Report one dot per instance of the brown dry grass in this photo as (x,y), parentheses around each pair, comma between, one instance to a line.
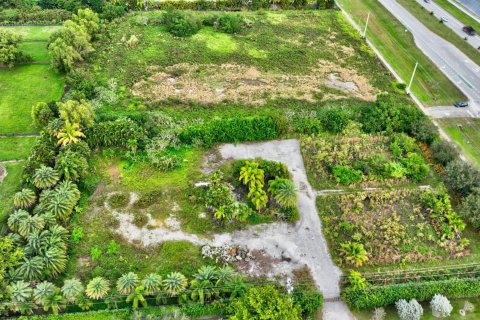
(246,84)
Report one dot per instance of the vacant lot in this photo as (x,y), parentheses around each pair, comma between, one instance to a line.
(466,132)
(285,56)
(431,86)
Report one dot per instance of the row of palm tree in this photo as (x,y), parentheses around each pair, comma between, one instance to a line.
(208,283)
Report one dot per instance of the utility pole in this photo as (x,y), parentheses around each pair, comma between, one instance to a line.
(411,79)
(366,25)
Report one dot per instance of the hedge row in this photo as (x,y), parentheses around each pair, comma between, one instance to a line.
(43,17)
(230,130)
(379,296)
(233,5)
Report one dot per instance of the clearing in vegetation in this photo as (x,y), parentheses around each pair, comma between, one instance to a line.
(388,35)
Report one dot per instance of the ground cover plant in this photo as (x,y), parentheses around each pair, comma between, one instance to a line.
(355,159)
(394,226)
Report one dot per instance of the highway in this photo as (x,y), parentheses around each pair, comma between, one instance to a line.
(462,71)
(451,22)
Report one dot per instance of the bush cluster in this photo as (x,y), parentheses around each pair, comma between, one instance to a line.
(34,16)
(372,297)
(181,24)
(230,130)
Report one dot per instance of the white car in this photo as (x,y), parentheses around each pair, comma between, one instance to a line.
(443,19)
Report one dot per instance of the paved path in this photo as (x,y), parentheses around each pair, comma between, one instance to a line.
(457,66)
(452,22)
(302,243)
(451,112)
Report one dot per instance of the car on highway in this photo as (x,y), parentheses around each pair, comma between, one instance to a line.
(469,30)
(443,19)
(461,104)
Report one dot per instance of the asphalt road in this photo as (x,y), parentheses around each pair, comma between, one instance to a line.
(462,71)
(451,22)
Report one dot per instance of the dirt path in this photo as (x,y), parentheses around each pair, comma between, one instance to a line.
(291,245)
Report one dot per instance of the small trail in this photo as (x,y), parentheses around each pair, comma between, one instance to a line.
(302,243)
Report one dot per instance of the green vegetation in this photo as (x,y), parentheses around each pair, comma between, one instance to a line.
(441,29)
(15,148)
(388,35)
(8,187)
(466,133)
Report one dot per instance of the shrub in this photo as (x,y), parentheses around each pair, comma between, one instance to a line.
(382,295)
(425,131)
(440,305)
(461,177)
(118,133)
(334,120)
(10,54)
(346,175)
(229,23)
(443,152)
(416,167)
(284,192)
(181,24)
(411,310)
(42,114)
(471,208)
(34,15)
(231,130)
(308,299)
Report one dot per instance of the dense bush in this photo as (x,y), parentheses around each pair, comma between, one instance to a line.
(34,16)
(443,152)
(346,175)
(334,120)
(471,208)
(461,177)
(10,53)
(181,24)
(308,299)
(229,23)
(378,296)
(230,130)
(122,132)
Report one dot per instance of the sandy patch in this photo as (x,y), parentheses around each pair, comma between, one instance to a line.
(246,84)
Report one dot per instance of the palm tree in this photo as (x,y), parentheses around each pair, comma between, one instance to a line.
(54,302)
(16,218)
(45,177)
(69,134)
(31,268)
(30,224)
(25,198)
(49,218)
(284,192)
(84,303)
(55,261)
(69,190)
(36,241)
(43,290)
(72,290)
(202,291)
(152,283)
(59,231)
(127,283)
(208,273)
(354,253)
(137,297)
(224,275)
(97,288)
(54,241)
(60,206)
(20,293)
(174,283)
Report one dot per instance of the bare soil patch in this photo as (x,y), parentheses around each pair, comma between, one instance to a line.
(246,84)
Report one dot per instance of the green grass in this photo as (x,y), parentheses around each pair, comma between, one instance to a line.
(22,87)
(8,187)
(459,14)
(15,148)
(466,133)
(32,32)
(37,50)
(162,312)
(431,86)
(427,313)
(441,29)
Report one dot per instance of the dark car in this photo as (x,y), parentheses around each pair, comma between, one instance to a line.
(460,104)
(469,30)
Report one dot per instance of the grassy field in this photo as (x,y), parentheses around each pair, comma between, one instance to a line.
(15,148)
(431,86)
(440,29)
(466,133)
(427,313)
(8,187)
(36,83)
(247,68)
(459,14)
